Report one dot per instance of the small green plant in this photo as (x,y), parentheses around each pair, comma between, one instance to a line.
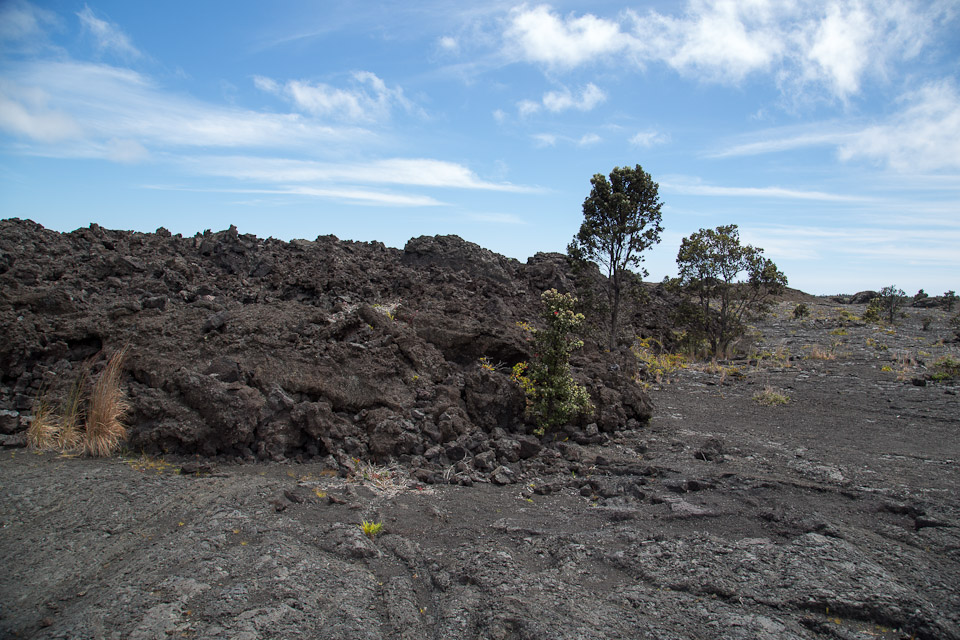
(925,322)
(371,529)
(801,311)
(839,332)
(486,364)
(770,398)
(886,367)
(553,397)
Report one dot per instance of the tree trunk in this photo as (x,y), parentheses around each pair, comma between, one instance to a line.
(615,311)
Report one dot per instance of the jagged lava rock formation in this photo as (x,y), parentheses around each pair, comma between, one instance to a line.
(245,348)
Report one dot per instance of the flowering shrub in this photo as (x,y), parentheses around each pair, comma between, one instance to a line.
(553,397)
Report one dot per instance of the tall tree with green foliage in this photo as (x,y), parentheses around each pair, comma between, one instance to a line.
(621,220)
(709,262)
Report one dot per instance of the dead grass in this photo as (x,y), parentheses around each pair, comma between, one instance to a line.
(69,433)
(819,353)
(105,411)
(43,430)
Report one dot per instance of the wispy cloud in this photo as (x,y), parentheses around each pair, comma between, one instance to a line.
(648,138)
(96,103)
(687,186)
(923,136)
(345,194)
(23,26)
(423,172)
(368,100)
(109,37)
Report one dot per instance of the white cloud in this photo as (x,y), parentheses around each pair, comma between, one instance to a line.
(714,39)
(648,138)
(539,35)
(588,139)
(556,101)
(449,44)
(499,115)
(590,96)
(527,107)
(368,100)
(831,44)
(108,36)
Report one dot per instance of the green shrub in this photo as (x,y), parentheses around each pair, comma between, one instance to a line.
(553,397)
(946,368)
(801,311)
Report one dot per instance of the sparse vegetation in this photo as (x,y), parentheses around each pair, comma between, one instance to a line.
(945,368)
(657,364)
(801,311)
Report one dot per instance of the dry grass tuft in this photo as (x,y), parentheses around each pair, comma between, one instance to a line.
(770,398)
(44,429)
(818,353)
(105,411)
(69,433)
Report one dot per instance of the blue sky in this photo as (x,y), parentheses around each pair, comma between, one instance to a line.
(829,131)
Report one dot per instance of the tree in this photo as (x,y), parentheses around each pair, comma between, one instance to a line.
(949,299)
(889,301)
(621,220)
(709,262)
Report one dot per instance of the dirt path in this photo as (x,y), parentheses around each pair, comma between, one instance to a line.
(833,516)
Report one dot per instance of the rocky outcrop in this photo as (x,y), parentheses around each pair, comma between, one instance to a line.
(248,348)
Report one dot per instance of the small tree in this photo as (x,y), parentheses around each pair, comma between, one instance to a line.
(709,262)
(621,220)
(554,397)
(949,299)
(890,300)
